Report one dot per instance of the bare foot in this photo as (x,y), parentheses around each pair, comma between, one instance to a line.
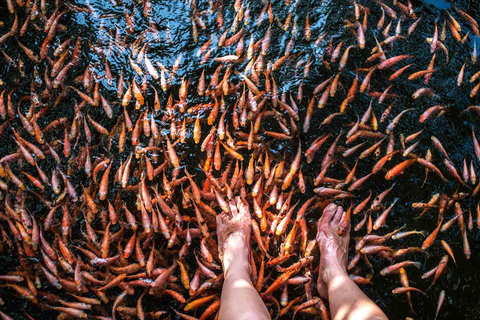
(233,232)
(333,247)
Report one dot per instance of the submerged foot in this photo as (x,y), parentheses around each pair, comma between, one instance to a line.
(233,232)
(333,247)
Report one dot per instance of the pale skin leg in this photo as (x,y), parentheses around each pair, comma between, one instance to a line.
(347,301)
(240,300)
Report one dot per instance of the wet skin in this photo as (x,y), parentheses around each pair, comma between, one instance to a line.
(240,300)
(346,300)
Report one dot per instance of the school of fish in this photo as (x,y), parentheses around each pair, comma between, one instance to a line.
(111,215)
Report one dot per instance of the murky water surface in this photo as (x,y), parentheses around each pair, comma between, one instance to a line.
(168,31)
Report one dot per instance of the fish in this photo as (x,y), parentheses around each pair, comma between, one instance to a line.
(407,289)
(392,61)
(407,233)
(394,268)
(130,178)
(440,302)
(399,169)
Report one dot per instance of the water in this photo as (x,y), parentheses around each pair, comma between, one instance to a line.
(98,27)
(440,4)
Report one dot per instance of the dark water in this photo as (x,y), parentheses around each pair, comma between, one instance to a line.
(439,4)
(172,20)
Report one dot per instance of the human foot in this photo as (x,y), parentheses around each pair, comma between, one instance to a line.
(333,247)
(233,232)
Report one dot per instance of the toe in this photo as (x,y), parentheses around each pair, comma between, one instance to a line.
(344,213)
(338,216)
(219,219)
(233,208)
(243,208)
(328,213)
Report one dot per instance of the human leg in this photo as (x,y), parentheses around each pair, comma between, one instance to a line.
(346,300)
(239,298)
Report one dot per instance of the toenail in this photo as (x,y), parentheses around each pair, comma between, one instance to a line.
(331,206)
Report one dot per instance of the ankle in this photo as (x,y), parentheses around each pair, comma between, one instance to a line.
(333,270)
(236,253)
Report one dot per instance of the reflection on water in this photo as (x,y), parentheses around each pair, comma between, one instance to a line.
(440,4)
